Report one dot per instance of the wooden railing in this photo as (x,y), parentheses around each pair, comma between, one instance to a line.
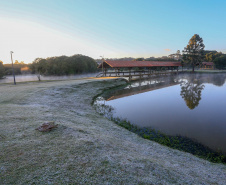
(131,74)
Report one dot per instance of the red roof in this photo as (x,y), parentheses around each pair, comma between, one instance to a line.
(116,64)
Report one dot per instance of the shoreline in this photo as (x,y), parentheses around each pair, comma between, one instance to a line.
(86,148)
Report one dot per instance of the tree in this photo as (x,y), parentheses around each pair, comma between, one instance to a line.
(139,59)
(220,62)
(211,56)
(193,53)
(2,69)
(39,67)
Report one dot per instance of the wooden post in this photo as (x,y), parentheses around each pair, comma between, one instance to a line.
(130,76)
(129,73)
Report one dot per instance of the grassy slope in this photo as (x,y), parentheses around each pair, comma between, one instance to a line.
(86,148)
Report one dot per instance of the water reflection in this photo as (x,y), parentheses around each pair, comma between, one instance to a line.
(191,92)
(142,86)
(192,86)
(165,104)
(218,80)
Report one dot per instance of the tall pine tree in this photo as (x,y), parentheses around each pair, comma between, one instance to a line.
(193,53)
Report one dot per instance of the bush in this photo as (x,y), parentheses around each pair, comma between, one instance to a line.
(2,70)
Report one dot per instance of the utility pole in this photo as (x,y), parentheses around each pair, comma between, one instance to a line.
(11,52)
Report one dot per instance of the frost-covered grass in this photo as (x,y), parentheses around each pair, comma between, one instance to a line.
(86,148)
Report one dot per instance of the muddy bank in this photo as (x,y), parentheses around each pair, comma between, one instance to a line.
(86,148)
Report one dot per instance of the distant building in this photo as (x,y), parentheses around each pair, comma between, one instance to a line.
(176,56)
(207,65)
(164,57)
(151,58)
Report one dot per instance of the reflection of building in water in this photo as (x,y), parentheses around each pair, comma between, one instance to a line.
(144,86)
(191,86)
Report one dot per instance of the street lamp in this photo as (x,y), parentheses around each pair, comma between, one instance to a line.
(102,64)
(11,52)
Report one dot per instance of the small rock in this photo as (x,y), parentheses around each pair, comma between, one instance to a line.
(47,126)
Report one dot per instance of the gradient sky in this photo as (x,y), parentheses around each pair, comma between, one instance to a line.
(113,28)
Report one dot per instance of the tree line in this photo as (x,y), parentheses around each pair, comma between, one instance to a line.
(218,58)
(64,65)
(18,68)
(194,54)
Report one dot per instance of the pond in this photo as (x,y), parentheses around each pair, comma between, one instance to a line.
(189,105)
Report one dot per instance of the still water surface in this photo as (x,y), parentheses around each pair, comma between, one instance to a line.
(191,105)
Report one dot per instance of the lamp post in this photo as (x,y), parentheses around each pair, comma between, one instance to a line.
(102,64)
(11,52)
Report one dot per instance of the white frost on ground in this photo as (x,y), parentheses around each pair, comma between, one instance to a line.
(86,148)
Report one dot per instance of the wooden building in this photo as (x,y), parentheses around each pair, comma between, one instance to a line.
(207,65)
(137,68)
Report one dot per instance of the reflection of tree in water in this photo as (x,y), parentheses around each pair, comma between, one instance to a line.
(103,109)
(191,92)
(192,87)
(218,80)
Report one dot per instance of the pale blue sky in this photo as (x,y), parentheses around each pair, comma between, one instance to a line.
(113,28)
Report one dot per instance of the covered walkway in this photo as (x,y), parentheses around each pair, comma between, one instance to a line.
(137,68)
